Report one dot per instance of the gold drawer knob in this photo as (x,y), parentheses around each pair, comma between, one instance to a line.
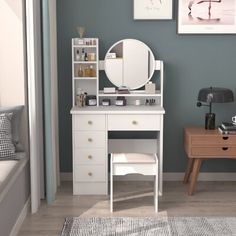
(90,122)
(90,174)
(90,140)
(134,122)
(90,157)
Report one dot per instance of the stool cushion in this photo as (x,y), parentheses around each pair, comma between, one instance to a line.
(133,158)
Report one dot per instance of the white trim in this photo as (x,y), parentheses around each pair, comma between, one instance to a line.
(16,228)
(169,176)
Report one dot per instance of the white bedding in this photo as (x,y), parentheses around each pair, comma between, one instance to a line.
(8,168)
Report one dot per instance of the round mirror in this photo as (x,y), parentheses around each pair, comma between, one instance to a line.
(129,63)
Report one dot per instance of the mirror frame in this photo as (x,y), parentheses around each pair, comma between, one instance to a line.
(151,55)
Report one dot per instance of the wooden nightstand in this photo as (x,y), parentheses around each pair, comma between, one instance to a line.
(200,145)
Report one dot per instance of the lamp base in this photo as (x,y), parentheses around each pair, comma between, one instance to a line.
(210,121)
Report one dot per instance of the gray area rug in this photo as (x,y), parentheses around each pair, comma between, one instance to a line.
(147,226)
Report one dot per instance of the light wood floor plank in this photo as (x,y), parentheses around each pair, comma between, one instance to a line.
(133,199)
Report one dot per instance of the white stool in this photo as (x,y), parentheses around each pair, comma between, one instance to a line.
(134,163)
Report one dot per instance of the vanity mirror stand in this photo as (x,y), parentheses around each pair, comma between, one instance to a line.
(128,63)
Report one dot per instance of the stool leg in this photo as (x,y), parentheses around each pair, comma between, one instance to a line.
(156,193)
(111,185)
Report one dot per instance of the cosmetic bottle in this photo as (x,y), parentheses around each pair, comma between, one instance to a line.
(92,71)
(77,55)
(80,72)
(87,71)
(86,56)
(83,55)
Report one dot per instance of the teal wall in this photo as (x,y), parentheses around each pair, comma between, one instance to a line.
(191,62)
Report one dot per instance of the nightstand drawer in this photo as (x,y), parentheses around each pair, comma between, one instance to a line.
(89,139)
(89,122)
(219,140)
(89,173)
(213,151)
(134,122)
(84,156)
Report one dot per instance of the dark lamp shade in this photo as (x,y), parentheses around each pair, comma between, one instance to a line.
(215,95)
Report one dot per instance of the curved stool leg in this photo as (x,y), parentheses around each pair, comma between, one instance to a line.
(156,190)
(111,184)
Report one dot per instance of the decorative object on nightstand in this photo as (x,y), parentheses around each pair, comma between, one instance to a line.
(227,128)
(234,120)
(213,95)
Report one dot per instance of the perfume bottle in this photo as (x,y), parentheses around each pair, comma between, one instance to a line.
(92,71)
(80,72)
(86,56)
(87,71)
(83,55)
(77,55)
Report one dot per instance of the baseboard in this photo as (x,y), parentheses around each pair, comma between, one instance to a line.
(168,176)
(16,228)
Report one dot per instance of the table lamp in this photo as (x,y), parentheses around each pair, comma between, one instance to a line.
(213,95)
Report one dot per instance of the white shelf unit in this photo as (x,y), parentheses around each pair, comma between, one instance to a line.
(85,82)
(91,84)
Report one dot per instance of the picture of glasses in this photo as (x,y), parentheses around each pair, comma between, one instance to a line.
(207,16)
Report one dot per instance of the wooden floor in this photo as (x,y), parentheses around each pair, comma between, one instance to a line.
(133,199)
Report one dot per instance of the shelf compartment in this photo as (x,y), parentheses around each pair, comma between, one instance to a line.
(85,78)
(85,62)
(137,93)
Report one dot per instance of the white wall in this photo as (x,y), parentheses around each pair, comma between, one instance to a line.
(13,90)
(12,75)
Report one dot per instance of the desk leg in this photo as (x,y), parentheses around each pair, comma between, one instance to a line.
(188,170)
(196,167)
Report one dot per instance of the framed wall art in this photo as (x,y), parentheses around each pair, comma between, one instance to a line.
(207,17)
(153,9)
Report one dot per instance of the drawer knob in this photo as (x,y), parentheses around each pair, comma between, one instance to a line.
(90,157)
(90,174)
(225,148)
(225,138)
(90,140)
(90,122)
(134,122)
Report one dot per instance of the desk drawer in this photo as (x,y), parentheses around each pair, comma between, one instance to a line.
(212,140)
(89,139)
(214,151)
(89,173)
(89,122)
(134,122)
(90,156)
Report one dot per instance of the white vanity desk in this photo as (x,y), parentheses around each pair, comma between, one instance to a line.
(91,143)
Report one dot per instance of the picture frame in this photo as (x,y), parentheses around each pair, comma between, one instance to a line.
(153,9)
(206,17)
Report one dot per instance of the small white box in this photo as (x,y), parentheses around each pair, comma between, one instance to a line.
(111,55)
(109,90)
(150,88)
